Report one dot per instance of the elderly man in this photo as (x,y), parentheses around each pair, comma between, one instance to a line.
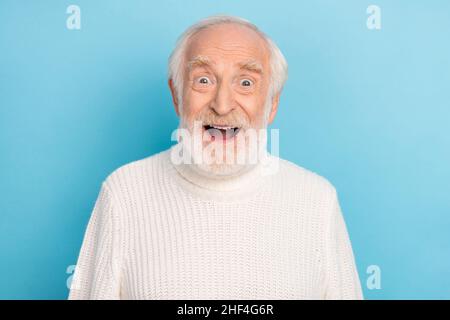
(216,216)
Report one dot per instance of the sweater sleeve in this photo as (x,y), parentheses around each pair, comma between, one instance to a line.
(97,273)
(342,281)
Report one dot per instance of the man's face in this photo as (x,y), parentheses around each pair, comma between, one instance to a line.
(225,86)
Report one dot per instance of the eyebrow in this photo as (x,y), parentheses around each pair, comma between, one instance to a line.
(199,61)
(252,65)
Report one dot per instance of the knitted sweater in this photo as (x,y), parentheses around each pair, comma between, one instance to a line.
(162,231)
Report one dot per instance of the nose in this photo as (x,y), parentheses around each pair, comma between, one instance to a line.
(223,102)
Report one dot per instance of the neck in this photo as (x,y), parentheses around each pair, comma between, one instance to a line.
(245,181)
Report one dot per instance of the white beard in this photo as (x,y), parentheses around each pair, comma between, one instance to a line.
(218,159)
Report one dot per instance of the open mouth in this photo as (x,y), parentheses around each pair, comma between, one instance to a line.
(221,131)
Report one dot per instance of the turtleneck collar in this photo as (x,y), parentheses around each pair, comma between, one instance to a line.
(220,187)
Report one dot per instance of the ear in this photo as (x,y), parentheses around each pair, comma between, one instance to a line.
(174,97)
(273,111)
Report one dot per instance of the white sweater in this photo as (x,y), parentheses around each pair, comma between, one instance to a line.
(160,231)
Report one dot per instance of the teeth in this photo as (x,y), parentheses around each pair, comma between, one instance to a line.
(221,127)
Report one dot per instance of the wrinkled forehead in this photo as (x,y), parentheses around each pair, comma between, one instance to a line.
(228,43)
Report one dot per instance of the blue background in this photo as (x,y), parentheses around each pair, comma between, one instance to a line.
(367,109)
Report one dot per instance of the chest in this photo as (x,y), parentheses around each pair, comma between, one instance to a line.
(223,252)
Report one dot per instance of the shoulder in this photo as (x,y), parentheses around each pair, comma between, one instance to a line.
(309,190)
(134,173)
(303,179)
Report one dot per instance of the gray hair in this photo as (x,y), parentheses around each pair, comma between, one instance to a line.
(278,64)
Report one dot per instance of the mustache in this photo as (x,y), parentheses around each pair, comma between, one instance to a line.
(232,119)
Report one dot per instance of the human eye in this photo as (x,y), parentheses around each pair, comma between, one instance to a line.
(203,81)
(246,82)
